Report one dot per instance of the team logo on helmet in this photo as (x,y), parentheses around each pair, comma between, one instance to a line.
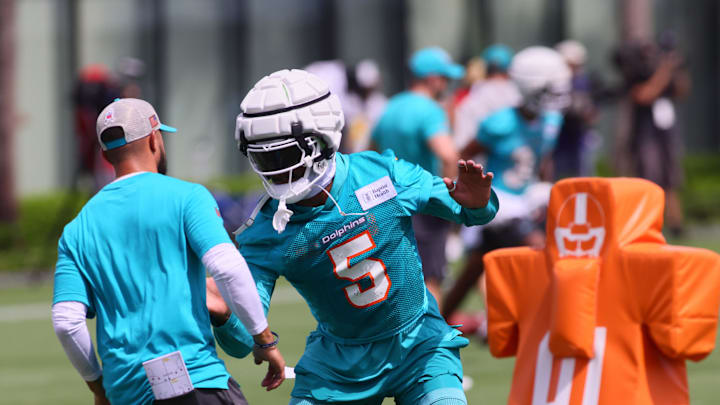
(580,227)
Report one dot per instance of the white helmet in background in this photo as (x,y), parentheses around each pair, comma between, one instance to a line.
(543,77)
(289,128)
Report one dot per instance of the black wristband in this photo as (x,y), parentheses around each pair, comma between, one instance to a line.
(271,344)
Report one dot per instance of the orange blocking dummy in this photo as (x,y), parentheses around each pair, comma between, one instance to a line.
(608,312)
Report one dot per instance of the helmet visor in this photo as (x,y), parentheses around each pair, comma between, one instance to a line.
(277,160)
(278,156)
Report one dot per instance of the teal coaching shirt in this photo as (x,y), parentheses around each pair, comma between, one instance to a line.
(132,256)
(407,124)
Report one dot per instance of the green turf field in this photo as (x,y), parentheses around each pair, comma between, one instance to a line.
(34,369)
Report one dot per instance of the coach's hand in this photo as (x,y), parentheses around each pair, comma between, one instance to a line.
(472,188)
(276,367)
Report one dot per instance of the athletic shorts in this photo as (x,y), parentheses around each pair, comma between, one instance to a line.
(424,358)
(209,396)
(431,234)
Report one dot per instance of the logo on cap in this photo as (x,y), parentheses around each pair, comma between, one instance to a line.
(109,116)
(153,120)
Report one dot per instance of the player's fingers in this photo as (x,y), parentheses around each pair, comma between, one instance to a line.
(476,167)
(449,183)
(273,379)
(266,381)
(462,165)
(258,360)
(277,379)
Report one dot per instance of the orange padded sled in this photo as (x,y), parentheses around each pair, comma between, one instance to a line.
(608,312)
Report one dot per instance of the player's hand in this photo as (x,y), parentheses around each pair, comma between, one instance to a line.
(101,400)
(219,311)
(472,188)
(98,392)
(276,367)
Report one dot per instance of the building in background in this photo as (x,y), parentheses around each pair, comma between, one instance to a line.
(201,57)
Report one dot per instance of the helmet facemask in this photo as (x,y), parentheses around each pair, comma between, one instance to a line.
(543,78)
(292,167)
(549,98)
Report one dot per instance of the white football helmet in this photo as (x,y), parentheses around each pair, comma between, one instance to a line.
(289,128)
(543,77)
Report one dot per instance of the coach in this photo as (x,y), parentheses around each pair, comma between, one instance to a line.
(135,256)
(415,126)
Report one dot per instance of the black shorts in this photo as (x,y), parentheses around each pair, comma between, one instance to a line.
(431,234)
(209,396)
(508,234)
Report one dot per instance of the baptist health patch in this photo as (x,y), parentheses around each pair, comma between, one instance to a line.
(376,193)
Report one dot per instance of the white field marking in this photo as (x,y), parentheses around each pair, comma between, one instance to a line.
(41,310)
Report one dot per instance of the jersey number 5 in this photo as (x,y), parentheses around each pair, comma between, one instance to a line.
(340,256)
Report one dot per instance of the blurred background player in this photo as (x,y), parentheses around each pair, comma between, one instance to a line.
(359,89)
(577,142)
(338,228)
(136,256)
(95,88)
(656,78)
(416,128)
(363,104)
(475,72)
(486,96)
(518,142)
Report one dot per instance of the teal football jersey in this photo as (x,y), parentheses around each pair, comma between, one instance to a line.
(359,273)
(517,146)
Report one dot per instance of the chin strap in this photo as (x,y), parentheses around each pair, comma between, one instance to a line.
(281,217)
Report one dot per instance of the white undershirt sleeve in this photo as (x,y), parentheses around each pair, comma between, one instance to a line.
(68,318)
(232,276)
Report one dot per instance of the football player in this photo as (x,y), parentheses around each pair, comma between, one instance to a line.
(338,228)
(518,142)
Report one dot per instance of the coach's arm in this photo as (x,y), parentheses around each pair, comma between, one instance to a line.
(230,334)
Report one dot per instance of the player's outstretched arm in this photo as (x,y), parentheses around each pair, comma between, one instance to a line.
(265,343)
(472,189)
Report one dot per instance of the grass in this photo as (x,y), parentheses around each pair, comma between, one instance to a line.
(34,369)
